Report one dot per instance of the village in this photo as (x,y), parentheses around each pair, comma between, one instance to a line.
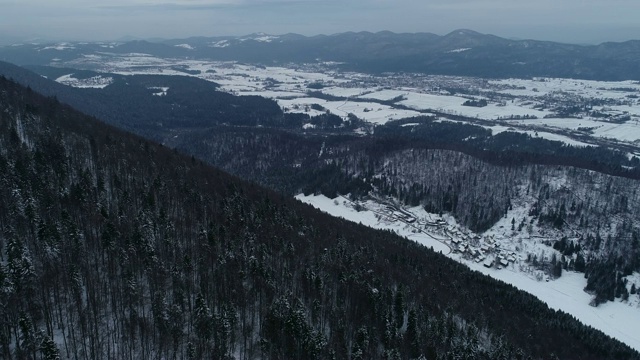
(462,243)
(519,258)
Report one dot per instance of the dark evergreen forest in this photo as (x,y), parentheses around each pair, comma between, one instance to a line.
(117,247)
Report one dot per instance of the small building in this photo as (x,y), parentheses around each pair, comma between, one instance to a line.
(504,262)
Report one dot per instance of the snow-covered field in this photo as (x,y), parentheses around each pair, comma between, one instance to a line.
(379,99)
(453,105)
(370,111)
(544,86)
(497,129)
(629,131)
(617,319)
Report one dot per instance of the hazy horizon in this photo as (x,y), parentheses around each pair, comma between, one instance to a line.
(569,21)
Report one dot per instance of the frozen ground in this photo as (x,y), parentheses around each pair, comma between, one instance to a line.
(617,319)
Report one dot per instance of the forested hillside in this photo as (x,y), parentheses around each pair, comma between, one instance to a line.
(115,247)
(580,196)
(593,211)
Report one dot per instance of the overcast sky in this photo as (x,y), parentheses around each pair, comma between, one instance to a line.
(575,21)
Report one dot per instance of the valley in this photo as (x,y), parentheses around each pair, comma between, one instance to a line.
(319,180)
(573,111)
(127,249)
(529,181)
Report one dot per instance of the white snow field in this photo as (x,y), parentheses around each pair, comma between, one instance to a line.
(371,112)
(629,131)
(617,319)
(453,105)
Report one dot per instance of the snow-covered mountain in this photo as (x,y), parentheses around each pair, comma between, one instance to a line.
(461,52)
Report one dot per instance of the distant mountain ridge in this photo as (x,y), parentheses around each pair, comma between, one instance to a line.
(461,52)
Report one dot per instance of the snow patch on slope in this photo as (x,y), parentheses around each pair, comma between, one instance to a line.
(459,50)
(162,92)
(185,46)
(97,82)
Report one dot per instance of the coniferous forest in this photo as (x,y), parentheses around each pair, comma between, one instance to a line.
(586,193)
(116,247)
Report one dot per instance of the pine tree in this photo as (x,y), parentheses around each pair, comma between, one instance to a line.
(412,338)
(361,344)
(203,320)
(399,307)
(28,336)
(49,349)
(191,351)
(580,263)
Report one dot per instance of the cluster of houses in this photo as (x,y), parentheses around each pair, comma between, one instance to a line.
(481,249)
